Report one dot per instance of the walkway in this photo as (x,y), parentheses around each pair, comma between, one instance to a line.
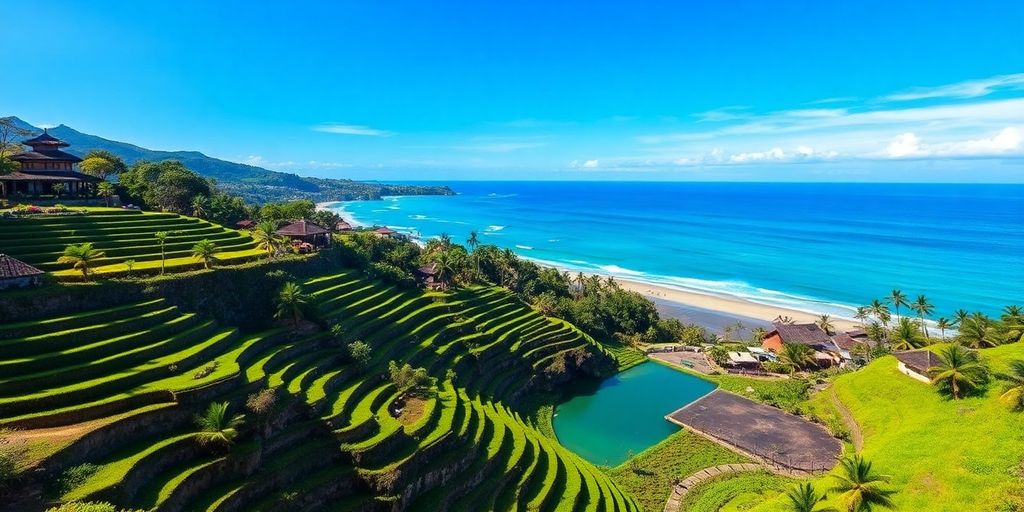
(682,488)
(855,434)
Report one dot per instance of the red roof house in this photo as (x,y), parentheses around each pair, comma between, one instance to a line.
(15,273)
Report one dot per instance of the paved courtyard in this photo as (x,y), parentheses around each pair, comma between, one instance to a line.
(768,433)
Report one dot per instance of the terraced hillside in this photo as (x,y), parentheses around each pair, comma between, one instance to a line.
(336,439)
(122,235)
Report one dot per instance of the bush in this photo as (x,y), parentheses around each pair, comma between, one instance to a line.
(74,477)
(407,378)
(206,370)
(359,352)
(87,507)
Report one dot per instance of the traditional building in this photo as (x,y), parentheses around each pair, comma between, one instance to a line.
(826,353)
(15,273)
(44,166)
(916,363)
(385,232)
(304,231)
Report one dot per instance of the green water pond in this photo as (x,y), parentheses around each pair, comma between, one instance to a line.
(625,413)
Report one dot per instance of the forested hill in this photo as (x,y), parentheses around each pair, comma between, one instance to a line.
(255,184)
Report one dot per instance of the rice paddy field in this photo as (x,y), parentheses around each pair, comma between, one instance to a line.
(128,380)
(122,235)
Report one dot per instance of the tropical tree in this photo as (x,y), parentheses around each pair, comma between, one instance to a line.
(102,163)
(960,316)
(825,322)
(200,206)
(292,303)
(82,256)
(859,488)
(862,313)
(1014,394)
(473,242)
(267,239)
(217,427)
(204,250)
(923,308)
(445,266)
(10,132)
(758,333)
(1012,324)
(796,356)
(897,298)
(161,238)
(803,498)
(959,370)
(942,323)
(880,311)
(977,331)
(106,190)
(906,336)
(59,189)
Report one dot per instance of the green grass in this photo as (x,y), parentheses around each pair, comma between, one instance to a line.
(677,457)
(734,492)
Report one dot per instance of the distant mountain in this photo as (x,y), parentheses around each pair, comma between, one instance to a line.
(255,184)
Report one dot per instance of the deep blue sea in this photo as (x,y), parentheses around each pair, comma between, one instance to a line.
(815,247)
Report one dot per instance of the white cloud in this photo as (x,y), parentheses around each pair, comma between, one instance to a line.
(351,129)
(965,89)
(906,144)
(1008,140)
(760,156)
(584,164)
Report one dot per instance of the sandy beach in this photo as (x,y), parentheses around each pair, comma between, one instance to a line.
(726,305)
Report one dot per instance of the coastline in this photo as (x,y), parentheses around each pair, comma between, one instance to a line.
(713,311)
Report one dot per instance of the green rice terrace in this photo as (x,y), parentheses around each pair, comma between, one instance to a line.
(122,235)
(114,393)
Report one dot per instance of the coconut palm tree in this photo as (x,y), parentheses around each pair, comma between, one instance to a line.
(1014,394)
(825,322)
(942,323)
(161,238)
(880,311)
(796,356)
(106,190)
(758,333)
(897,298)
(444,265)
(862,314)
(960,316)
(905,336)
(473,242)
(200,206)
(1012,324)
(292,303)
(923,308)
(267,239)
(204,250)
(960,369)
(216,427)
(860,488)
(977,331)
(82,257)
(803,498)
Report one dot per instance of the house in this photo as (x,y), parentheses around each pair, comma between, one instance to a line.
(305,232)
(343,226)
(427,275)
(384,232)
(15,273)
(742,360)
(851,344)
(44,166)
(916,363)
(245,224)
(826,353)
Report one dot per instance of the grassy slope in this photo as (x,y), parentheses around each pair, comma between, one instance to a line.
(941,454)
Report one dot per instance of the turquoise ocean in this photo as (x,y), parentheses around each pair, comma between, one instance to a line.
(813,247)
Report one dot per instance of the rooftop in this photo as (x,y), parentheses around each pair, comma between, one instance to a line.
(48,176)
(805,334)
(301,228)
(11,268)
(384,231)
(45,139)
(918,361)
(46,154)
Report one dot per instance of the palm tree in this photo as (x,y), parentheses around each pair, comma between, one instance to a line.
(444,265)
(473,242)
(923,308)
(803,498)
(291,303)
(897,298)
(199,208)
(960,369)
(106,190)
(58,189)
(861,489)
(267,239)
(1014,395)
(825,322)
(942,323)
(796,356)
(960,316)
(216,427)
(81,256)
(862,314)
(161,238)
(758,333)
(905,336)
(1012,325)
(204,250)
(881,312)
(976,331)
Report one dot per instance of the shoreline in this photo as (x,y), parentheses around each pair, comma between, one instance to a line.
(711,310)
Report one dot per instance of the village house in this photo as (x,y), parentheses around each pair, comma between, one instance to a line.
(427,275)
(826,353)
(384,232)
(45,166)
(916,363)
(305,235)
(15,273)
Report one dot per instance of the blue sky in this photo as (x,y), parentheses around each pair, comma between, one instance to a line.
(862,91)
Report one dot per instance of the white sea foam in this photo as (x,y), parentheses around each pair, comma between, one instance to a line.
(495,228)
(617,270)
(524,247)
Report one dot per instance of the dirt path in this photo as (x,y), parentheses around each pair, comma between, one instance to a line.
(855,434)
(682,488)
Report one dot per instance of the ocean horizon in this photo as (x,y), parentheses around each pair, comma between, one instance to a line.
(815,247)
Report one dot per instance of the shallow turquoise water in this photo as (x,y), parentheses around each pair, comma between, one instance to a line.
(627,412)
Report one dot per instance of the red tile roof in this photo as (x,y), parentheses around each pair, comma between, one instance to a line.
(385,231)
(11,268)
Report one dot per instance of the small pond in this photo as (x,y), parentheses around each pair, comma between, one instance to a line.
(626,412)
